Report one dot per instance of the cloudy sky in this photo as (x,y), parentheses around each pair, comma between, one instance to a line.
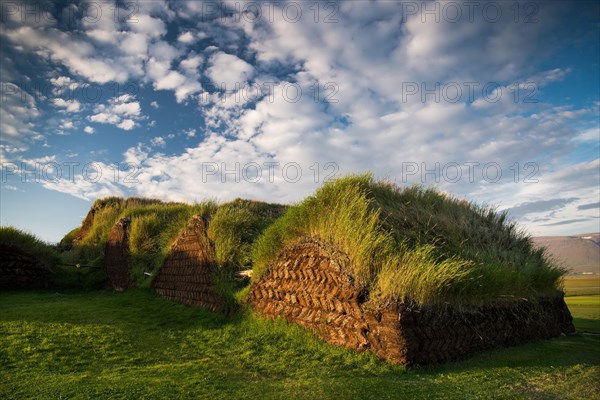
(497,102)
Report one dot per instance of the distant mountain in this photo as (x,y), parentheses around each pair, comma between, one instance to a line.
(580,253)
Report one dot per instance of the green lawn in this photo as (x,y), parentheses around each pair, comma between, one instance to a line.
(583,298)
(134,345)
(586,312)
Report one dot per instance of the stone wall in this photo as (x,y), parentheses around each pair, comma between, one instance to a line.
(116,256)
(19,270)
(186,275)
(306,285)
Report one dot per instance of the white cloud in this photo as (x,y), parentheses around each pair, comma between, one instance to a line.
(102,51)
(170,81)
(99,50)
(64,84)
(105,118)
(545,77)
(134,44)
(229,70)
(362,120)
(122,111)
(127,108)
(163,51)
(65,124)
(158,70)
(68,105)
(96,183)
(89,130)
(186,37)
(182,93)
(150,26)
(18,115)
(591,135)
(190,133)
(577,183)
(8,149)
(62,81)
(39,160)
(75,54)
(126,124)
(191,64)
(158,142)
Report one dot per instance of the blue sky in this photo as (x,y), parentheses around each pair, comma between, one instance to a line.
(496,102)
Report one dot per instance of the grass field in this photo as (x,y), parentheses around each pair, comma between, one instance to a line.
(586,312)
(583,298)
(135,345)
(582,285)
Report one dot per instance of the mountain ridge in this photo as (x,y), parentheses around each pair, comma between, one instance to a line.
(580,253)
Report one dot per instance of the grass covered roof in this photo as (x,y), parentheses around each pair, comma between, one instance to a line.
(30,244)
(415,244)
(155,225)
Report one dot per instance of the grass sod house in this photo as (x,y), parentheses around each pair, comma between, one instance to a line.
(87,244)
(138,243)
(187,253)
(186,275)
(411,274)
(116,256)
(200,268)
(27,262)
(128,239)
(99,220)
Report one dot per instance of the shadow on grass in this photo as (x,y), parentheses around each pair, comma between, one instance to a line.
(142,310)
(136,309)
(564,351)
(587,325)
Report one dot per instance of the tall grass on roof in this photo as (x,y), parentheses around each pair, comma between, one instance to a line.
(153,230)
(109,211)
(233,230)
(30,244)
(156,225)
(63,276)
(90,249)
(236,225)
(415,243)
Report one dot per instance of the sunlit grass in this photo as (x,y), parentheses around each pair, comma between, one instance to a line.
(152,232)
(236,225)
(154,228)
(135,345)
(586,312)
(415,243)
(582,285)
